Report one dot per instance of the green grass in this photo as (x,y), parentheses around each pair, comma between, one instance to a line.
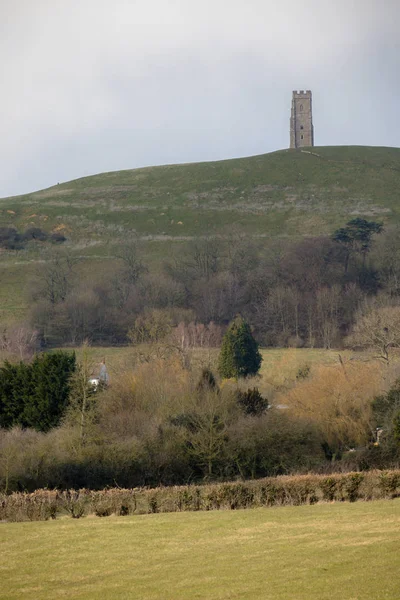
(274,193)
(287,194)
(346,551)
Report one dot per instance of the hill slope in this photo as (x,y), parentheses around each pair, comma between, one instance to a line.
(285,193)
(276,193)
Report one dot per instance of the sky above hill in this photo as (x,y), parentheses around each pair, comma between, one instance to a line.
(100,85)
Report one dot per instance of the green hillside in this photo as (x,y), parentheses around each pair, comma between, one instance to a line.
(285,193)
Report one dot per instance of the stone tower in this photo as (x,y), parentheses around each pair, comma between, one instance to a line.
(301,123)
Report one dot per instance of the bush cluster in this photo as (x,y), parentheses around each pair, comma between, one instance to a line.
(165,424)
(11,239)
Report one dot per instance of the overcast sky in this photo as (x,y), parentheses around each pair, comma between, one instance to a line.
(100,85)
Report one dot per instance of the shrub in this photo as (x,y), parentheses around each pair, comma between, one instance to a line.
(303,372)
(329,487)
(337,399)
(352,485)
(153,504)
(389,482)
(252,402)
(103,506)
(207,381)
(76,503)
(39,506)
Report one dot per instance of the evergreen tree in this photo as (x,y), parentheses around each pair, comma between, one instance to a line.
(15,392)
(356,238)
(239,356)
(51,374)
(36,395)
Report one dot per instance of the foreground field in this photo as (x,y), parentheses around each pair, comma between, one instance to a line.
(346,551)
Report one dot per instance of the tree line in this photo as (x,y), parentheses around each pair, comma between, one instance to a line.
(304,293)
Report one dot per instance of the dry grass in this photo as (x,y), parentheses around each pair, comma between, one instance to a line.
(278,370)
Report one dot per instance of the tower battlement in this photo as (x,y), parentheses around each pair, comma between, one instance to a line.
(301,122)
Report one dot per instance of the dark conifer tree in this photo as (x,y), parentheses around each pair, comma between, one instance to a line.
(15,392)
(239,356)
(37,394)
(51,375)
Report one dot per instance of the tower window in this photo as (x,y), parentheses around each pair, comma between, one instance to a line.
(301,107)
(302,136)
(301,127)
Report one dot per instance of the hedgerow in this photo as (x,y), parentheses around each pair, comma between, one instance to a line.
(273,491)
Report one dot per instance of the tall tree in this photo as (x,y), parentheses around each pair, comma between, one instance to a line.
(83,394)
(15,393)
(56,275)
(377,328)
(133,265)
(356,238)
(51,378)
(239,356)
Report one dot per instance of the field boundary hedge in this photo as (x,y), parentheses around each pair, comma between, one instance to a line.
(288,490)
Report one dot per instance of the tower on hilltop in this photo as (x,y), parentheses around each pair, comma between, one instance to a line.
(301,123)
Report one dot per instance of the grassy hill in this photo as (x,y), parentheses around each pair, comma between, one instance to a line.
(286,193)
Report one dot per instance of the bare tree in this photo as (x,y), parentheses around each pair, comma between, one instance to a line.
(328,302)
(311,264)
(218,298)
(200,259)
(82,395)
(55,277)
(150,327)
(20,340)
(133,266)
(386,256)
(379,329)
(241,253)
(197,335)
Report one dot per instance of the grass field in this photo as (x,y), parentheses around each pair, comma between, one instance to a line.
(321,552)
